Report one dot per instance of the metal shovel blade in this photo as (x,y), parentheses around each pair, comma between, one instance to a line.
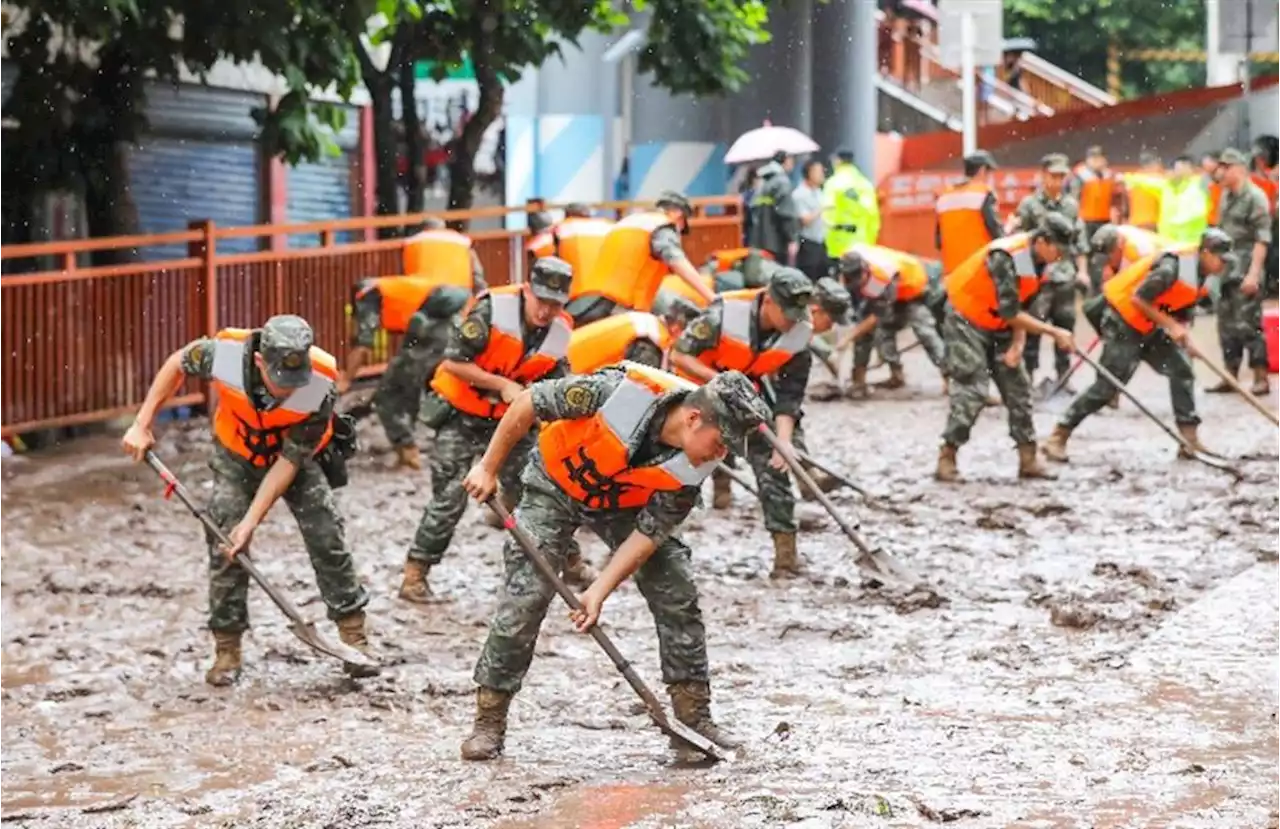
(307,632)
(678,730)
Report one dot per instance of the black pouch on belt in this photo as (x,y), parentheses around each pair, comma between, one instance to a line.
(333,458)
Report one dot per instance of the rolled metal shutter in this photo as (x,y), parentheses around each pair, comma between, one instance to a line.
(321,190)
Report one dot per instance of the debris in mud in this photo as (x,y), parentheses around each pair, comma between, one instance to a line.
(944,815)
(66,767)
(64,694)
(1047,509)
(332,763)
(918,599)
(111,805)
(994,521)
(1194,768)
(1109,569)
(1073,616)
(600,725)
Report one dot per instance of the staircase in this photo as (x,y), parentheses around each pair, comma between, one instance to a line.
(919,93)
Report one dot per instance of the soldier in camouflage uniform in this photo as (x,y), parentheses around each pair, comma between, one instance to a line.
(1145,299)
(1055,302)
(618,424)
(770,344)
(399,393)
(273,418)
(461,436)
(1246,217)
(984,332)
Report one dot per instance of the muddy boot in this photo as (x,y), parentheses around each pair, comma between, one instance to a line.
(226,658)
(577,572)
(1189,434)
(786,561)
(691,703)
(414,586)
(490,728)
(896,379)
(351,632)
(1261,386)
(1114,402)
(1223,387)
(721,493)
(408,457)
(858,384)
(1055,448)
(1029,465)
(825,482)
(947,471)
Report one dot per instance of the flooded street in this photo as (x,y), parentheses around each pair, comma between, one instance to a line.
(1104,654)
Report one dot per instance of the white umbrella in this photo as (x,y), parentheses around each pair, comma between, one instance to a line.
(763,142)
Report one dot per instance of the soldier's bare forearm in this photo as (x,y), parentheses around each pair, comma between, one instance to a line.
(1027,324)
(357,359)
(862,329)
(786,425)
(692,366)
(684,269)
(514,425)
(168,380)
(1256,263)
(633,552)
(278,479)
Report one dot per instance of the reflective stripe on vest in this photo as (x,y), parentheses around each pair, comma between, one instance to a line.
(972,291)
(734,351)
(509,319)
(882,269)
(590,458)
(1181,295)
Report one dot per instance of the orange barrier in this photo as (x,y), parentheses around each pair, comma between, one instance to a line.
(907,216)
(81,345)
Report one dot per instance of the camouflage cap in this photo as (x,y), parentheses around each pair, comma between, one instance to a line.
(738,406)
(981,158)
(834,299)
(285,345)
(1105,239)
(793,291)
(550,279)
(850,264)
(670,198)
(540,220)
(675,308)
(1231,156)
(1057,229)
(1056,164)
(1216,240)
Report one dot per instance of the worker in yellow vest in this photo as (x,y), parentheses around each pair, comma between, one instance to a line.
(851,208)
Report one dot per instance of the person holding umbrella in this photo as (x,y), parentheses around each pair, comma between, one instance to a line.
(775,226)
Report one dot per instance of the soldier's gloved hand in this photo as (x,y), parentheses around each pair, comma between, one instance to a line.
(480,483)
(137,441)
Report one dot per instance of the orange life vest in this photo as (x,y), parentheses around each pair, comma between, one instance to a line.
(734,350)
(1182,295)
(402,297)
(960,222)
(1267,184)
(1144,207)
(238,425)
(1136,243)
(676,285)
(1215,201)
(625,270)
(540,245)
(1096,193)
(590,458)
(605,342)
(442,254)
(578,241)
(727,260)
(972,291)
(504,355)
(885,265)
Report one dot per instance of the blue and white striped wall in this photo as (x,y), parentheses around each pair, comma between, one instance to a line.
(568,164)
(694,168)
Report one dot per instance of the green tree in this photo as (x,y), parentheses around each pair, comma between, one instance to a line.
(1075,34)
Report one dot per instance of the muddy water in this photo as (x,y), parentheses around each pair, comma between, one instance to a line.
(1105,655)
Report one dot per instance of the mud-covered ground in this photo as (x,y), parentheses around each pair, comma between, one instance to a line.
(1105,656)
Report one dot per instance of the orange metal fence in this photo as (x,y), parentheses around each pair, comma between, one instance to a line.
(81,344)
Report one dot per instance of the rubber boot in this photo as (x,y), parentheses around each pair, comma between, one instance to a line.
(489,731)
(858,384)
(721,493)
(1261,386)
(414,587)
(896,378)
(408,457)
(786,561)
(1223,387)
(351,632)
(1114,402)
(226,658)
(1189,434)
(1029,465)
(491,518)
(947,470)
(577,572)
(1055,448)
(825,482)
(691,703)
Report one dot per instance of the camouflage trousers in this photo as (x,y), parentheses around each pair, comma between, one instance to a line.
(1055,303)
(399,394)
(459,442)
(665,581)
(777,498)
(1095,274)
(1240,328)
(311,501)
(591,308)
(914,314)
(974,359)
(1123,348)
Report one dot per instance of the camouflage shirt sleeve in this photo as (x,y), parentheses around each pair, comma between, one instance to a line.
(197,358)
(469,335)
(703,334)
(301,440)
(1159,279)
(478,283)
(444,302)
(664,244)
(1258,220)
(882,306)
(789,383)
(666,511)
(991,218)
(367,310)
(571,398)
(1028,216)
(1005,277)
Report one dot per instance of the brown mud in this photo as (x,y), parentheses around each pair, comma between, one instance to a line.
(1105,654)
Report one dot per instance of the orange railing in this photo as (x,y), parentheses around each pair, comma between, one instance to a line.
(81,344)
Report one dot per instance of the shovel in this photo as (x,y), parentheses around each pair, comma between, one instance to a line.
(1048,389)
(668,725)
(880,359)
(298,626)
(1231,381)
(843,480)
(737,477)
(874,563)
(1204,458)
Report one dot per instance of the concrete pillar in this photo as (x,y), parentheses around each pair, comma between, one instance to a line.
(844,81)
(781,71)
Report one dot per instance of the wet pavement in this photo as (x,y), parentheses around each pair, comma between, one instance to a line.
(1105,654)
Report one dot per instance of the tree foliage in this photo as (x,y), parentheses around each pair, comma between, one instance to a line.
(1075,34)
